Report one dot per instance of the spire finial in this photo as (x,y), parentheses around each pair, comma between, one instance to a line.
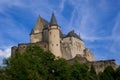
(53,21)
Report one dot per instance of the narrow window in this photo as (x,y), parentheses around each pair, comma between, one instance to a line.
(24,47)
(56,44)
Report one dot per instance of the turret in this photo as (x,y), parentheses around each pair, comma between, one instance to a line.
(54,37)
(36,33)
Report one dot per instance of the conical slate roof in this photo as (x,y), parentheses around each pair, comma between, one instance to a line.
(53,21)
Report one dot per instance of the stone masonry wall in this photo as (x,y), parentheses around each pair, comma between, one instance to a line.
(21,47)
(102,64)
(98,65)
(71,47)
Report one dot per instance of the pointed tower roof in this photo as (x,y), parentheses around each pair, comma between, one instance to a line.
(38,26)
(53,21)
(38,20)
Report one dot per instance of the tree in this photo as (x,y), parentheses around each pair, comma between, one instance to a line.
(3,76)
(36,64)
(117,73)
(33,64)
(108,74)
(92,73)
(60,69)
(92,70)
(78,71)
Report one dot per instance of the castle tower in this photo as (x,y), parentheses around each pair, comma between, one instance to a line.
(54,37)
(36,34)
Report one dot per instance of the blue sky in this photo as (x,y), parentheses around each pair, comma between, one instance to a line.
(97,21)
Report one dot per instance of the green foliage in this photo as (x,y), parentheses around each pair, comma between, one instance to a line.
(60,69)
(92,73)
(117,73)
(108,74)
(92,70)
(2,74)
(37,64)
(78,71)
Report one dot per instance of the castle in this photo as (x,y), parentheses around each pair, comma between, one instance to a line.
(49,36)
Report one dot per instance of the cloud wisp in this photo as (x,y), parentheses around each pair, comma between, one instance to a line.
(115,47)
(5,53)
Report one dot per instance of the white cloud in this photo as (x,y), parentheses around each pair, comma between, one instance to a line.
(116,27)
(116,36)
(8,4)
(85,21)
(62,5)
(5,53)
(11,33)
(92,39)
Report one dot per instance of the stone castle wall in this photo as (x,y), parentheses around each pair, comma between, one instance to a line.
(71,46)
(66,51)
(54,41)
(45,35)
(68,47)
(102,64)
(77,46)
(22,47)
(98,65)
(87,53)
(36,37)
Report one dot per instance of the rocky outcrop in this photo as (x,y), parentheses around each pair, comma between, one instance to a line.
(88,54)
